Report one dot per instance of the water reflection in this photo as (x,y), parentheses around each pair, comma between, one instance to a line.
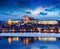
(27,40)
(33,45)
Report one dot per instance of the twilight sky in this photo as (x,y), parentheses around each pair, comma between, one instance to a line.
(39,9)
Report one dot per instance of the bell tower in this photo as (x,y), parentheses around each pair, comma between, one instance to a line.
(26,18)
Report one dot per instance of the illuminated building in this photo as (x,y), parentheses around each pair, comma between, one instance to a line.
(59,30)
(48,22)
(16,21)
(32,20)
(26,19)
(3,30)
(10,22)
(51,30)
(39,29)
(12,30)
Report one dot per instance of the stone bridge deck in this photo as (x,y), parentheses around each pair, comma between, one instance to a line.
(31,34)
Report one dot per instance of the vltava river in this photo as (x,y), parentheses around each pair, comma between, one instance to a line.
(33,45)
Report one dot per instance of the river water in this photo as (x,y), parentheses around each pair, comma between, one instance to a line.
(33,45)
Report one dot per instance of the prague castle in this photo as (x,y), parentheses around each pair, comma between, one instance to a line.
(30,19)
(29,24)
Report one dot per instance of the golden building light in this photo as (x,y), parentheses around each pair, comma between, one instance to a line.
(12,30)
(31,30)
(14,22)
(51,30)
(3,30)
(26,18)
(10,22)
(47,22)
(45,30)
(59,29)
(39,29)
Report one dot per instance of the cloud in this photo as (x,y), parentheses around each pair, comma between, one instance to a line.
(36,11)
(59,13)
(52,9)
(53,13)
(49,10)
(43,13)
(28,12)
(32,7)
(11,15)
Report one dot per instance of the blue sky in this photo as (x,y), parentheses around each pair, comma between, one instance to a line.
(39,9)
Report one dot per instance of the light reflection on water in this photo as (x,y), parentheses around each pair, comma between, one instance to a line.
(33,45)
